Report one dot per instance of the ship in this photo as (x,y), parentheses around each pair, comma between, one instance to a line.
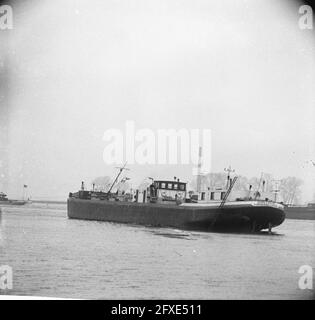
(4,200)
(167,203)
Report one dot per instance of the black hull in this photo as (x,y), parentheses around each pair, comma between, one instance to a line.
(236,218)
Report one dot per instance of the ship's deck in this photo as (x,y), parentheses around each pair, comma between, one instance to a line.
(234,204)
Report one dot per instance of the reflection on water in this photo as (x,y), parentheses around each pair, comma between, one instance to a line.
(54,256)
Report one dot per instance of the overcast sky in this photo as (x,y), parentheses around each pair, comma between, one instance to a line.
(243,69)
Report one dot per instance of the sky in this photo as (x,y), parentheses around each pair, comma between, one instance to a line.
(71,70)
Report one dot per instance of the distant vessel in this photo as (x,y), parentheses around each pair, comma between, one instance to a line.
(4,200)
(166,203)
(3,197)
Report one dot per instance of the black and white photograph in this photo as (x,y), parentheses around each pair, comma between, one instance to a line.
(157,150)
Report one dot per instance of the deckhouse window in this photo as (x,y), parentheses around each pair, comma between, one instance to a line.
(182,187)
(170,186)
(175,186)
(162,185)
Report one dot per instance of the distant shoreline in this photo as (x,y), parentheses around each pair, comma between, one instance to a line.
(50,201)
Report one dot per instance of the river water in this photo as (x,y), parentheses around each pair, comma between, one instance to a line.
(53,256)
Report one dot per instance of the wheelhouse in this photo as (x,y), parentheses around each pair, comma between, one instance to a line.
(167,190)
(170,185)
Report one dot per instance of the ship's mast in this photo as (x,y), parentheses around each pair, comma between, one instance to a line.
(229,170)
(121,169)
(260,181)
(24,189)
(228,192)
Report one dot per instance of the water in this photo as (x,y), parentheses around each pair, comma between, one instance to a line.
(53,256)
